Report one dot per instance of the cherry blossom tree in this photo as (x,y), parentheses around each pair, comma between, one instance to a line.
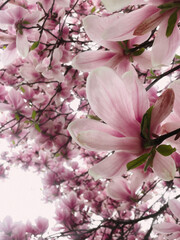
(89,99)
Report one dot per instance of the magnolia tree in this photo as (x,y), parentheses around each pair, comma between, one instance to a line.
(89,97)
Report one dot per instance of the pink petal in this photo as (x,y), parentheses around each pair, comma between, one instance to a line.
(18,13)
(9,55)
(95,27)
(120,31)
(176,88)
(138,94)
(109,99)
(100,141)
(32,18)
(6,38)
(6,18)
(90,60)
(166,227)
(138,40)
(162,108)
(164,167)
(15,99)
(120,63)
(144,60)
(111,166)
(5,107)
(88,124)
(169,127)
(22,44)
(174,206)
(164,48)
(118,189)
(149,23)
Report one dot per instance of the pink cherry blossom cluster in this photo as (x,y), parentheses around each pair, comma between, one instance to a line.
(81,105)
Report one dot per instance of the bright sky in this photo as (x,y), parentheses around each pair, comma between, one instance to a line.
(21,196)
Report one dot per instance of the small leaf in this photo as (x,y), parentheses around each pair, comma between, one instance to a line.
(166,6)
(93,9)
(25,22)
(22,89)
(35,45)
(36,125)
(165,150)
(17,116)
(152,73)
(146,124)
(27,121)
(137,162)
(150,159)
(171,23)
(94,117)
(177,56)
(57,154)
(13,142)
(33,114)
(138,52)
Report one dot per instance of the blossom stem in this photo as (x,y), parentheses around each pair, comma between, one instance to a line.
(161,76)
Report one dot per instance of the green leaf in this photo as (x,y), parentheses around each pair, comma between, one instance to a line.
(171,23)
(17,116)
(36,125)
(168,6)
(137,162)
(152,73)
(146,124)
(177,56)
(22,89)
(57,154)
(35,45)
(93,9)
(13,142)
(33,114)
(138,52)
(94,117)
(150,159)
(25,22)
(165,150)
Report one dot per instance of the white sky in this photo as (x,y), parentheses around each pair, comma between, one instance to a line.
(21,196)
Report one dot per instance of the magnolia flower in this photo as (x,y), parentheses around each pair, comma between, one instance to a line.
(170,227)
(16,20)
(144,20)
(122,189)
(121,105)
(118,55)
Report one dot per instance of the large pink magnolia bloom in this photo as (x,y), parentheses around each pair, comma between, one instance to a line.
(142,21)
(170,227)
(121,106)
(116,56)
(16,20)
